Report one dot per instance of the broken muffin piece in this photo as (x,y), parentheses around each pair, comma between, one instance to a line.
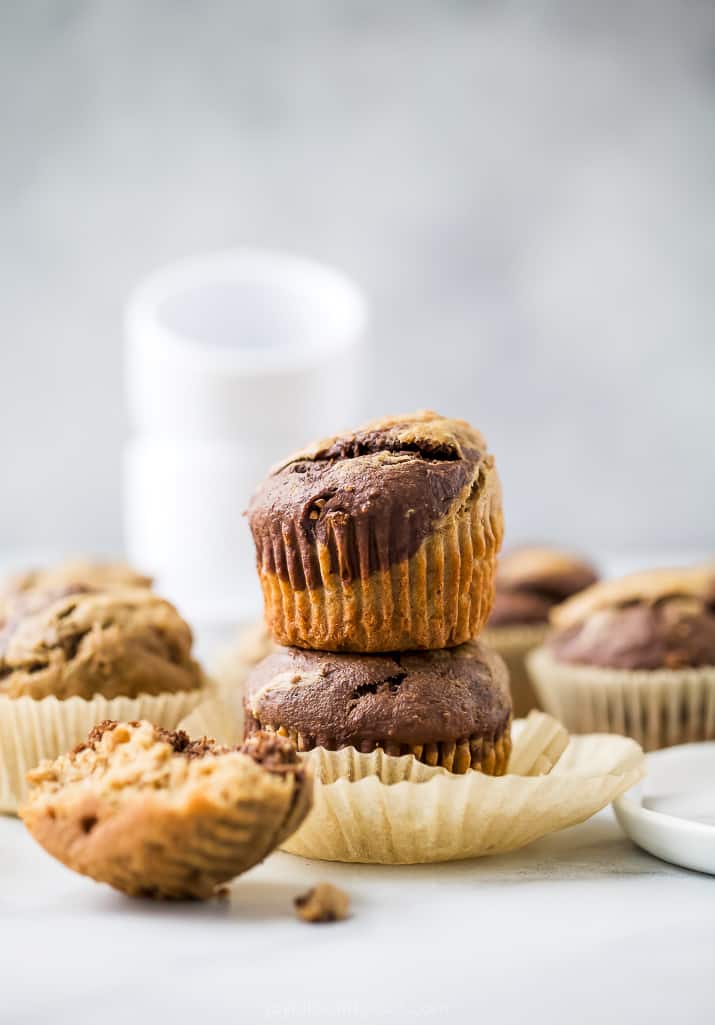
(323,903)
(156,814)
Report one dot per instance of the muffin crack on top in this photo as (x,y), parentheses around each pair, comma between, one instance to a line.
(381,539)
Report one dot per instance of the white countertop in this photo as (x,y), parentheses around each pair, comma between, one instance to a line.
(580,927)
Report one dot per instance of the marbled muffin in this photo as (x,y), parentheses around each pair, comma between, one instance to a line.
(635,656)
(450,707)
(78,642)
(153,813)
(530,582)
(382,539)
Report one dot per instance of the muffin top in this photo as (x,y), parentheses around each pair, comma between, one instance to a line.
(530,581)
(82,572)
(661,619)
(385,485)
(80,642)
(409,697)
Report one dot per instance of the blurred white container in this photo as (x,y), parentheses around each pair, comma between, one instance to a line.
(243,344)
(233,360)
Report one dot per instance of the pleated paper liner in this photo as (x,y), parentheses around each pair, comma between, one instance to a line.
(658,707)
(31,730)
(450,817)
(386,810)
(514,643)
(233,662)
(438,598)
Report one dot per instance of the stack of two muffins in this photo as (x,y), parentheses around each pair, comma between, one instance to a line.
(376,552)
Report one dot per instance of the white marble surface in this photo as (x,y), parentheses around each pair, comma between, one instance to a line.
(580,927)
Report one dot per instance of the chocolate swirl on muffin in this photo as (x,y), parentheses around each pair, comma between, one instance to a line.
(661,619)
(449,707)
(383,538)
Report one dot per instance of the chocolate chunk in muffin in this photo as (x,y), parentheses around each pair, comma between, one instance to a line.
(384,538)
(661,619)
(449,707)
(155,814)
(79,642)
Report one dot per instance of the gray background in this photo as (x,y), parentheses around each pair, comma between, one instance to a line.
(525,190)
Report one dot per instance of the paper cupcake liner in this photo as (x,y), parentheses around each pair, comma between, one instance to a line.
(536,744)
(449,817)
(233,662)
(514,643)
(658,708)
(215,718)
(376,808)
(438,598)
(31,730)
(477,753)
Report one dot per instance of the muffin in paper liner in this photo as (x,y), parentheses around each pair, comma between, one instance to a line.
(382,539)
(514,643)
(438,598)
(380,809)
(656,707)
(32,730)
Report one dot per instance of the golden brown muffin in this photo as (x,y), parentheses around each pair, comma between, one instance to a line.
(79,642)
(97,575)
(635,656)
(382,539)
(449,707)
(155,814)
(530,582)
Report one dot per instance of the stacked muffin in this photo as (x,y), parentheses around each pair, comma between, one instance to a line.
(376,552)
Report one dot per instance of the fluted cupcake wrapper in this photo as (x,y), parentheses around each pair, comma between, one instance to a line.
(514,643)
(658,708)
(32,730)
(447,817)
(439,597)
(389,810)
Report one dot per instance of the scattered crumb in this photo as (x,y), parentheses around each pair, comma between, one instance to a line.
(324,903)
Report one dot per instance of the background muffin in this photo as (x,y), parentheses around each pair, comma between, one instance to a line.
(71,573)
(530,582)
(73,657)
(381,539)
(635,656)
(449,707)
(81,642)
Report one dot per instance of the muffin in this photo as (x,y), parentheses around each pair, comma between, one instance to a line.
(72,657)
(634,656)
(381,539)
(78,642)
(155,814)
(530,582)
(73,572)
(449,708)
